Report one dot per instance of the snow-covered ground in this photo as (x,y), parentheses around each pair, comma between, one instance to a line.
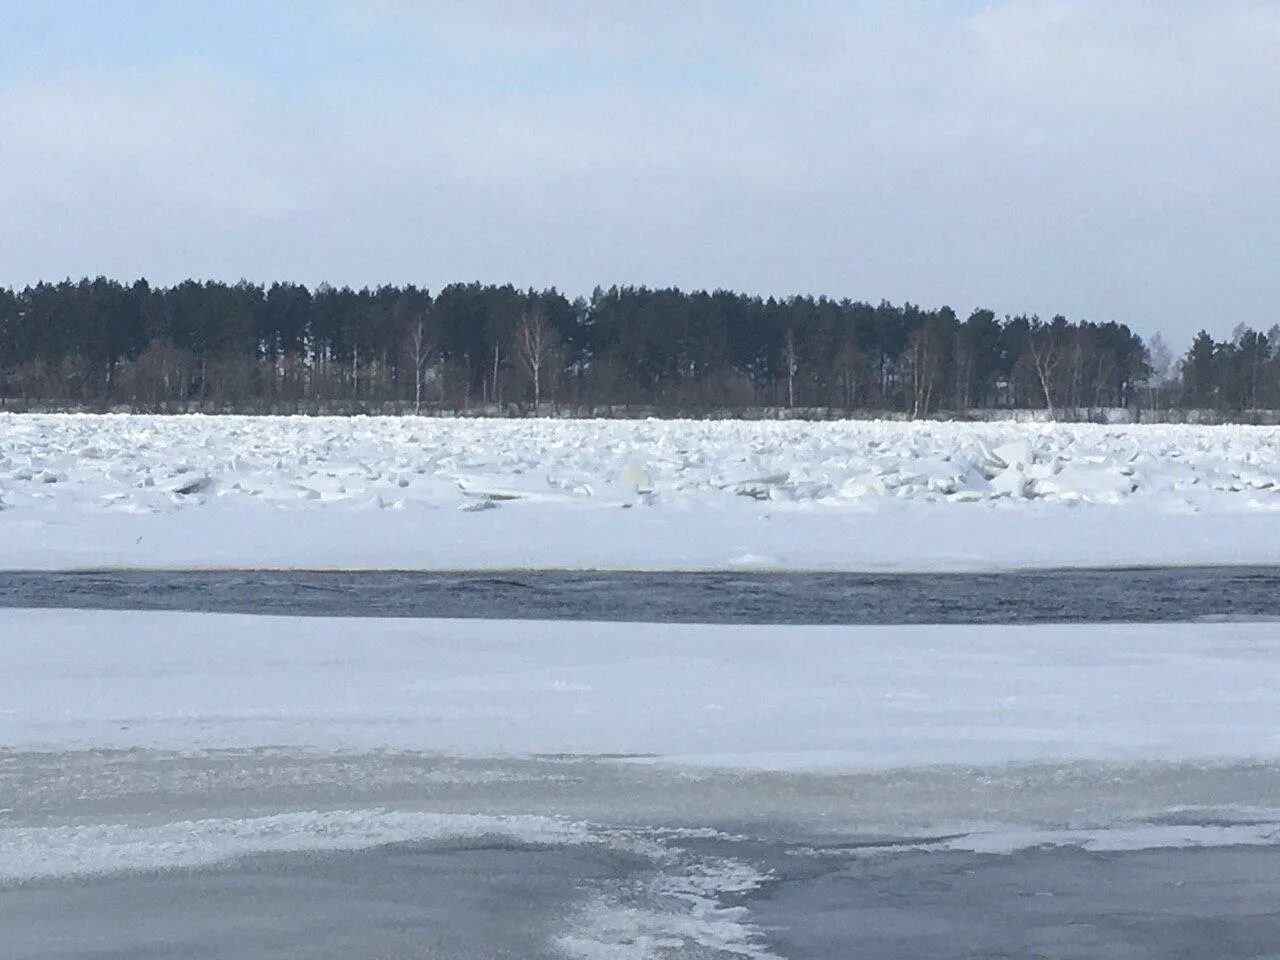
(132,491)
(848,698)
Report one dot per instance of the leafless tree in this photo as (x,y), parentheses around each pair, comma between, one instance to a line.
(792,364)
(536,345)
(420,356)
(923,349)
(1045,347)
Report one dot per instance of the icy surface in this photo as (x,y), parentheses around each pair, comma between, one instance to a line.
(77,850)
(97,491)
(677,905)
(739,697)
(155,741)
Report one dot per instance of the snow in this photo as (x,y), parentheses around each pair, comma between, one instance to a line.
(82,491)
(741,697)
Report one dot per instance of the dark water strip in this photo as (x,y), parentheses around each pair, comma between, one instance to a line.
(1065,596)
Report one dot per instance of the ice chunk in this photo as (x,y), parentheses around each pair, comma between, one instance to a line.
(1018,453)
(634,476)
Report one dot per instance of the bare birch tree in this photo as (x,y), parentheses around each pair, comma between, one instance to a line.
(1045,346)
(420,350)
(536,345)
(792,363)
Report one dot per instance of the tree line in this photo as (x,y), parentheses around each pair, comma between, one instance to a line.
(248,347)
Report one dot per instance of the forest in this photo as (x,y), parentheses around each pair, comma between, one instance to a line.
(100,343)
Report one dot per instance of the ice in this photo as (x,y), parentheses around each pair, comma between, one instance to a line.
(1116,838)
(925,724)
(742,697)
(78,850)
(678,905)
(418,493)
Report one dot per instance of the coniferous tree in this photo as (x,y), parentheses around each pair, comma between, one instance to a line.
(214,345)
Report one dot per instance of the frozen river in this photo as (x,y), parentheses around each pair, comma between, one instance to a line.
(1016,765)
(406,493)
(485,900)
(628,860)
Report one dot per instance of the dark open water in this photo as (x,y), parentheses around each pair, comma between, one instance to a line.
(1066,596)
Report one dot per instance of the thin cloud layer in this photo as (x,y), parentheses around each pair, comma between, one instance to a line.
(1110,160)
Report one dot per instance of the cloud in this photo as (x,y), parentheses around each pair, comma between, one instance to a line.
(1127,57)
(1106,159)
(183,136)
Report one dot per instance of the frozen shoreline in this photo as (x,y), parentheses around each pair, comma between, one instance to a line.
(140,492)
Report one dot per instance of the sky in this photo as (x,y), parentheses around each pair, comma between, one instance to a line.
(1105,159)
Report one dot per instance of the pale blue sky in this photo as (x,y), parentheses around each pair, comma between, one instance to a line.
(1112,159)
